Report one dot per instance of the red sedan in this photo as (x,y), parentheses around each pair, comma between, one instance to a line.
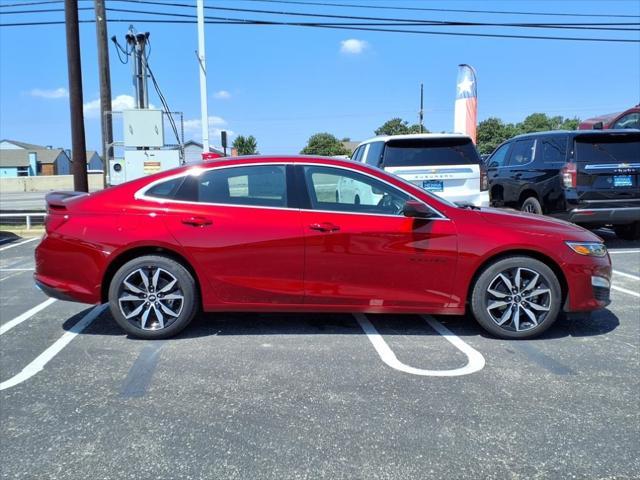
(277,234)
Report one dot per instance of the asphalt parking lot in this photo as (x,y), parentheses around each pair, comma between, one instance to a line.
(315,396)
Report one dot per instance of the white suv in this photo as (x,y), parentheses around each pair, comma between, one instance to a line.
(447,165)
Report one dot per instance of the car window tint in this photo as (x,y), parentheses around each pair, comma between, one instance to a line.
(554,150)
(165,189)
(256,185)
(499,157)
(342,190)
(374,155)
(523,152)
(421,152)
(631,120)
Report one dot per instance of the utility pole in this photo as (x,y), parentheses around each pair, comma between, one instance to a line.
(138,44)
(421,108)
(203,78)
(104,72)
(79,148)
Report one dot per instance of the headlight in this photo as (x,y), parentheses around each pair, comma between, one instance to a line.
(590,249)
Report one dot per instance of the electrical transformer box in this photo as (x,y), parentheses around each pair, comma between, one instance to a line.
(143,128)
(139,163)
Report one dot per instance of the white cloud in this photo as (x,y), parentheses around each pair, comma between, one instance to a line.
(222,95)
(353,46)
(121,102)
(193,127)
(49,94)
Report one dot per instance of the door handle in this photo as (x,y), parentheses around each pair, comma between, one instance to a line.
(324,227)
(197,221)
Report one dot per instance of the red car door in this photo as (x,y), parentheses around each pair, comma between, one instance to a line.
(365,254)
(241,234)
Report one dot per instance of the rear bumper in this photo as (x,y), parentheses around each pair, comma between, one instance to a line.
(604,216)
(480,199)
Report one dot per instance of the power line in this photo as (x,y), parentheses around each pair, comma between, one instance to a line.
(225,21)
(401,22)
(328,15)
(452,10)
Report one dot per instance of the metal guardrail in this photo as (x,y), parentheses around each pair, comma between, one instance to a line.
(31,219)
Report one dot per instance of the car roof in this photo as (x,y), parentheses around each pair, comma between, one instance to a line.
(574,133)
(414,136)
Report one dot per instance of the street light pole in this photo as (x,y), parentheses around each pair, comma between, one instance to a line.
(203,78)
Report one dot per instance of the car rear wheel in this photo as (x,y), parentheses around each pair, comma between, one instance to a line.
(516,297)
(628,232)
(153,297)
(531,205)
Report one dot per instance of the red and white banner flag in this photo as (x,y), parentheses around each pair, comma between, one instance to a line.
(466,112)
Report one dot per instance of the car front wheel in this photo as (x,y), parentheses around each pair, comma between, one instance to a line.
(153,297)
(516,297)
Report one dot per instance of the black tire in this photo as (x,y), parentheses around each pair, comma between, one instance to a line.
(531,205)
(482,300)
(630,231)
(159,271)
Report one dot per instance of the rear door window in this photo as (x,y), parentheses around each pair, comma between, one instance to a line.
(429,152)
(522,153)
(255,185)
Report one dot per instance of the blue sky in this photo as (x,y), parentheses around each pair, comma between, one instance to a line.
(283,84)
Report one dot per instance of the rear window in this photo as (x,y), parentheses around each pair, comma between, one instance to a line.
(608,148)
(421,152)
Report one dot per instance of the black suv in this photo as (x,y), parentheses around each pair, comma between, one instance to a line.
(587,177)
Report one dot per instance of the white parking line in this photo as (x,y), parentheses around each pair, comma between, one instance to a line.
(624,290)
(621,250)
(17,269)
(45,357)
(19,243)
(25,316)
(624,274)
(475,359)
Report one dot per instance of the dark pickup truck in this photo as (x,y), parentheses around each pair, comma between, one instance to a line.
(589,177)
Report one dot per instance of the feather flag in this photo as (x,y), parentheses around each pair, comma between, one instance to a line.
(466,110)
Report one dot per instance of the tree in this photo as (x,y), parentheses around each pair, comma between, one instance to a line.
(492,132)
(324,144)
(245,145)
(397,126)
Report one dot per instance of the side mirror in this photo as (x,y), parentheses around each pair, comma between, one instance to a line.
(415,209)
(598,126)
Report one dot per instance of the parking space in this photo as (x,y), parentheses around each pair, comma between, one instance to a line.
(315,395)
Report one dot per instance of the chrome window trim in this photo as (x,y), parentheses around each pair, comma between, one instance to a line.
(197,171)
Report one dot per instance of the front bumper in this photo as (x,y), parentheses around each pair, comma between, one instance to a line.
(589,282)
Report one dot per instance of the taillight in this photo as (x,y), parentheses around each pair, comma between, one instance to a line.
(569,175)
(484,179)
(54,221)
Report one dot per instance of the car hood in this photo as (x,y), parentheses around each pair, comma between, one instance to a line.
(528,222)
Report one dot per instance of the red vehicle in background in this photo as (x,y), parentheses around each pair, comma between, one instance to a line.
(627,119)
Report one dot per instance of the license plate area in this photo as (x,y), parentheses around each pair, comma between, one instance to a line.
(622,181)
(433,185)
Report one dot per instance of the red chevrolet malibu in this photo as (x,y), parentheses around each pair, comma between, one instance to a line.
(288,234)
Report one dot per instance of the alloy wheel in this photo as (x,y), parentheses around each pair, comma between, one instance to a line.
(518,299)
(150,298)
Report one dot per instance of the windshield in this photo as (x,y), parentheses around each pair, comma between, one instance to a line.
(429,152)
(609,149)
